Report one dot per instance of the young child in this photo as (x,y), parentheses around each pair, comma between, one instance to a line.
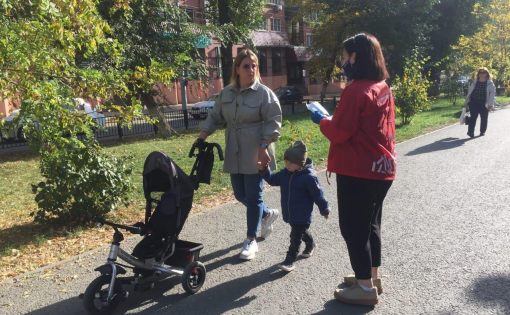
(299,189)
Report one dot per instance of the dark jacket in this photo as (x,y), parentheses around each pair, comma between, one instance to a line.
(299,191)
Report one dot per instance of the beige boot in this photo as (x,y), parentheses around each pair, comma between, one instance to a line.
(357,295)
(351,280)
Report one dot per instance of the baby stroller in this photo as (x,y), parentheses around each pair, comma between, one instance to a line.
(168,193)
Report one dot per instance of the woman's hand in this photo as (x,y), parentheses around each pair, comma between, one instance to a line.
(264,158)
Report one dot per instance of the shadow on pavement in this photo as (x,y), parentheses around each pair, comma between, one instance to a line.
(492,290)
(219,299)
(440,145)
(335,307)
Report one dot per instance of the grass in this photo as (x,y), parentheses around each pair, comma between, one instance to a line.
(25,246)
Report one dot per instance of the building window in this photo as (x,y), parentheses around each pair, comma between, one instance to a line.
(262,62)
(189,13)
(276,25)
(278,2)
(309,40)
(214,63)
(277,61)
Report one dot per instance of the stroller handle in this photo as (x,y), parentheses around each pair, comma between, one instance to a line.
(130,228)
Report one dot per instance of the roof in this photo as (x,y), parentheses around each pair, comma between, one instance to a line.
(270,39)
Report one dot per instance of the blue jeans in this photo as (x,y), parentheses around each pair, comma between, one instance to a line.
(248,189)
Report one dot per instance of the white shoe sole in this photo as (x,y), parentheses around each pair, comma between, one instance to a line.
(249,257)
(267,228)
(285,268)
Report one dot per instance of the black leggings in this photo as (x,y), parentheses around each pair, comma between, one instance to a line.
(360,204)
(475,110)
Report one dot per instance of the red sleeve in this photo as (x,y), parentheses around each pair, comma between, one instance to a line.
(345,121)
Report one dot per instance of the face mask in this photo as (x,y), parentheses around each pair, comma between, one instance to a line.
(348,69)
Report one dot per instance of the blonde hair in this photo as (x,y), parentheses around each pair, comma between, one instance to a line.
(483,69)
(241,55)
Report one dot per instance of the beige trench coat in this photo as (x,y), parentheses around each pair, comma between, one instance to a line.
(251,116)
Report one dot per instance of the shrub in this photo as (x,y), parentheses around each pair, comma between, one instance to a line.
(80,184)
(410,90)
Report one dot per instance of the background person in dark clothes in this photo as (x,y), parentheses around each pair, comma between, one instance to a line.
(480,100)
(361,153)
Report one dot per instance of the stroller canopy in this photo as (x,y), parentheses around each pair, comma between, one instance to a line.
(161,174)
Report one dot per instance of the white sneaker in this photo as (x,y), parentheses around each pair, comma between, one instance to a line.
(267,223)
(250,247)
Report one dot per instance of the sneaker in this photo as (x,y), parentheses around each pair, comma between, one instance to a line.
(267,223)
(471,135)
(357,295)
(287,267)
(350,280)
(482,134)
(308,252)
(250,247)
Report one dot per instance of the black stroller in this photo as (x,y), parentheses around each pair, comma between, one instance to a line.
(169,192)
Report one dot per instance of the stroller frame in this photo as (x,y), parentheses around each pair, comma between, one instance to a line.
(175,258)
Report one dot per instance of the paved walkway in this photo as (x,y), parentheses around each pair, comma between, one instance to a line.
(446,247)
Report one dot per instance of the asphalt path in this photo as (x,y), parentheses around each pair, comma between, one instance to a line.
(446,225)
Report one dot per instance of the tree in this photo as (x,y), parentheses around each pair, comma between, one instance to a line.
(399,25)
(157,41)
(490,45)
(40,45)
(410,89)
(233,21)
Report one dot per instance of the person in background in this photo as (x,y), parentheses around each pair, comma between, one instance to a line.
(479,101)
(362,154)
(253,116)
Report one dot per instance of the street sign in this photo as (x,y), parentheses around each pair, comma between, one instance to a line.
(202,41)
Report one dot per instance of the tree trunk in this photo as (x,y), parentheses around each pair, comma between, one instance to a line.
(226,64)
(164,128)
(224,17)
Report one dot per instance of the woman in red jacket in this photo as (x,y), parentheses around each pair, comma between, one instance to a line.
(362,154)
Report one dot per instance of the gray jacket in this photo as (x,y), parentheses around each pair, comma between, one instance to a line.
(491,95)
(251,116)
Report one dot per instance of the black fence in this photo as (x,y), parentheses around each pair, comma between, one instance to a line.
(111,129)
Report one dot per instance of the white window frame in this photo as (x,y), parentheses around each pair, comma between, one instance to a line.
(309,39)
(273,25)
(274,2)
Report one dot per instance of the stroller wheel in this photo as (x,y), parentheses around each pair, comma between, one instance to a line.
(95,296)
(193,277)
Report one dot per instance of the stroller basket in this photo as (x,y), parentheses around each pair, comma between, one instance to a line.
(185,253)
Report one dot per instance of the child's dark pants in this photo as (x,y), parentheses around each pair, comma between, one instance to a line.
(298,233)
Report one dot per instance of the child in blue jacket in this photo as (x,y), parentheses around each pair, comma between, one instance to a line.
(300,189)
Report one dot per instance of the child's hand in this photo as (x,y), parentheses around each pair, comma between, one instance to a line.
(261,167)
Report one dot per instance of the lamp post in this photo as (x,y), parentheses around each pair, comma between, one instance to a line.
(184,98)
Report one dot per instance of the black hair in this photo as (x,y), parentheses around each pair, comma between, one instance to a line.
(370,63)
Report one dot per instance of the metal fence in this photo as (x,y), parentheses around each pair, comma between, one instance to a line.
(111,129)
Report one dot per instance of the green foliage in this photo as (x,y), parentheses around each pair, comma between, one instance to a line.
(488,47)
(410,89)
(80,184)
(45,47)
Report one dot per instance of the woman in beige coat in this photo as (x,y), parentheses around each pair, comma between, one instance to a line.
(252,115)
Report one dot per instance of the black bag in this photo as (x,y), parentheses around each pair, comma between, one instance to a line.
(202,169)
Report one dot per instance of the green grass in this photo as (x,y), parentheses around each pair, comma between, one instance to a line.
(18,171)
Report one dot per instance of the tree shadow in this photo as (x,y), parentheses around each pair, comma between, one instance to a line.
(440,145)
(335,307)
(492,289)
(24,234)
